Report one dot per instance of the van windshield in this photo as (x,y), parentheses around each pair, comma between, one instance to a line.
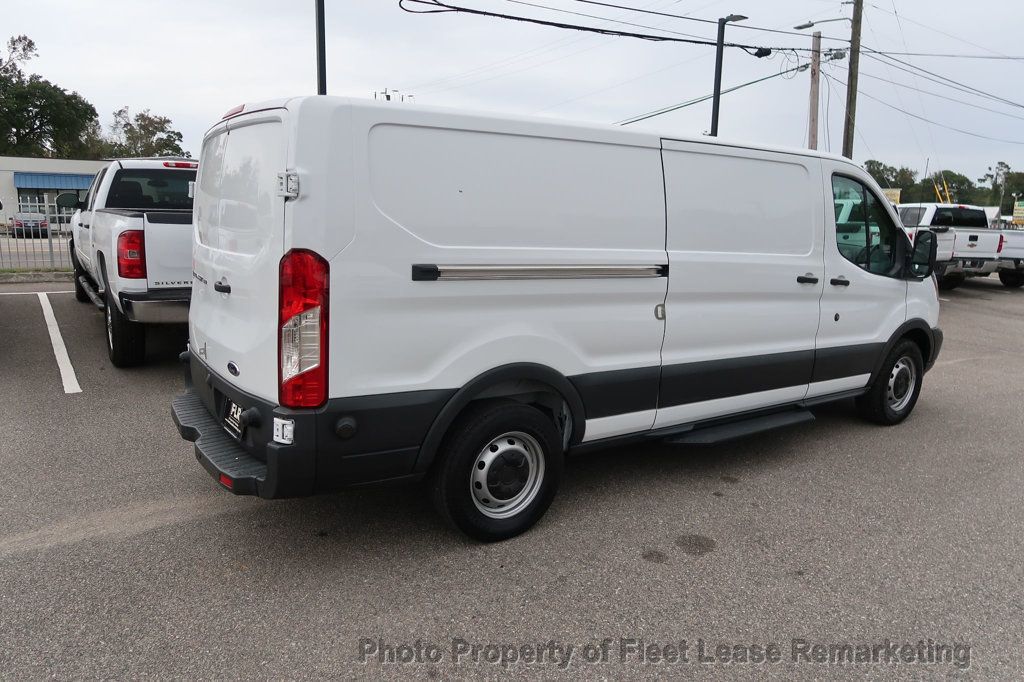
(151,189)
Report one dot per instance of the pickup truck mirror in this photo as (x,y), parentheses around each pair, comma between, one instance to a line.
(69,200)
(921,262)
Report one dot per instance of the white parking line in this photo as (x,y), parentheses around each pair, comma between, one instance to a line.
(32,293)
(60,352)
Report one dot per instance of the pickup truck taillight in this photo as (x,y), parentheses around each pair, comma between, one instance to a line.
(1002,240)
(131,255)
(302,315)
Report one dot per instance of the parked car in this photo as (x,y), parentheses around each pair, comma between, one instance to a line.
(392,293)
(967,246)
(131,248)
(30,225)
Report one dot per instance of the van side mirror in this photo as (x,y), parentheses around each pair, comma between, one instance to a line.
(69,200)
(921,262)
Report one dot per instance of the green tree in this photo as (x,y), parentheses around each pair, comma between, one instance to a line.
(890,176)
(144,134)
(38,118)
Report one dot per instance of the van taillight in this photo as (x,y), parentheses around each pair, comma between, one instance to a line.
(1002,240)
(131,255)
(302,316)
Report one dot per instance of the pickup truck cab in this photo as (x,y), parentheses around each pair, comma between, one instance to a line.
(967,247)
(394,293)
(131,248)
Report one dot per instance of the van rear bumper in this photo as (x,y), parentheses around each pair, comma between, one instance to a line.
(348,441)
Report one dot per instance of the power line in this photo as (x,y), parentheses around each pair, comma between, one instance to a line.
(935,123)
(698,100)
(945,79)
(946,98)
(443,7)
(932,28)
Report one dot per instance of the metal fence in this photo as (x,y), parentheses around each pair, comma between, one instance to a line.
(41,252)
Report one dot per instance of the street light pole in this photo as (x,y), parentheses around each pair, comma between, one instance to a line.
(719,51)
(321,59)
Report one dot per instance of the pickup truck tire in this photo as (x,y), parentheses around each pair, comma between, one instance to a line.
(498,470)
(892,396)
(126,340)
(951,281)
(1011,278)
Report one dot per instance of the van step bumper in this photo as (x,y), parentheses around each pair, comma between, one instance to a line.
(219,453)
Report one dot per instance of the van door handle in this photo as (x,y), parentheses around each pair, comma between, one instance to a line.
(807,279)
(222,287)
(839,281)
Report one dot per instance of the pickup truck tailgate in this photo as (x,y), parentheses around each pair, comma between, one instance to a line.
(1013,245)
(168,249)
(976,244)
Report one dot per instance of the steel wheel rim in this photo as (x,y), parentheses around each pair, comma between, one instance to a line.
(110,326)
(507,475)
(902,382)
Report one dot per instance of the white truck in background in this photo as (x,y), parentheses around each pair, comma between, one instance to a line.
(131,248)
(967,247)
(1011,259)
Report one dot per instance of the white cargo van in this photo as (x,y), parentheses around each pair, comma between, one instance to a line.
(395,292)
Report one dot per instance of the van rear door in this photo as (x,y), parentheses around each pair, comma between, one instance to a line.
(238,244)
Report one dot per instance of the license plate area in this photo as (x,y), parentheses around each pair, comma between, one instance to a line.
(233,418)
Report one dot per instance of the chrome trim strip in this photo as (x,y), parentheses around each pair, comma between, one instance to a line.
(453,273)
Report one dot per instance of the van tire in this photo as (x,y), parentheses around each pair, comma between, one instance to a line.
(1011,278)
(891,398)
(530,440)
(951,281)
(126,340)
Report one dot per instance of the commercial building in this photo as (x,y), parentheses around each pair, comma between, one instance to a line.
(31,185)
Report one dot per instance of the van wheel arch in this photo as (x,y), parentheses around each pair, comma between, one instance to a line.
(916,330)
(528,383)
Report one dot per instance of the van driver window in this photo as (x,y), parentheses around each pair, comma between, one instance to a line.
(865,233)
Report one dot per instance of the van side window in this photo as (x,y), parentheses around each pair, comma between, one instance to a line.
(865,234)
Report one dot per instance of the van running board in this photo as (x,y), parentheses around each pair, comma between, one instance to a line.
(710,435)
(91,293)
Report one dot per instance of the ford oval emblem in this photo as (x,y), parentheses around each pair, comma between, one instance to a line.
(233,368)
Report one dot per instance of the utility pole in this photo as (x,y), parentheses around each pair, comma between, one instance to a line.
(321,59)
(719,50)
(812,130)
(851,85)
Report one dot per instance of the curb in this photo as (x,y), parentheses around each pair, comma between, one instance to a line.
(19,277)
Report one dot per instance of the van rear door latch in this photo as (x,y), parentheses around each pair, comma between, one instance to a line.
(288,185)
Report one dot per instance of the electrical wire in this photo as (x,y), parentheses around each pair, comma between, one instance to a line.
(697,100)
(935,123)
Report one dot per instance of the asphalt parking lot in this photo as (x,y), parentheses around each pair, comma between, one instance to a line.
(120,556)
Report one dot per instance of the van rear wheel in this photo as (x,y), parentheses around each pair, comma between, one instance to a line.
(498,472)
(126,340)
(894,393)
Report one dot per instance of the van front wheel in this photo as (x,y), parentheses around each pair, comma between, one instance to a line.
(499,469)
(892,397)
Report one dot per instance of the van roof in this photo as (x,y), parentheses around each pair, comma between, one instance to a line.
(638,137)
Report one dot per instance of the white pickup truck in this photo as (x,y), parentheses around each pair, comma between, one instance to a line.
(1011,259)
(967,247)
(131,248)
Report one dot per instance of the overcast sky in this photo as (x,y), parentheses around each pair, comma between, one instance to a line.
(192,60)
